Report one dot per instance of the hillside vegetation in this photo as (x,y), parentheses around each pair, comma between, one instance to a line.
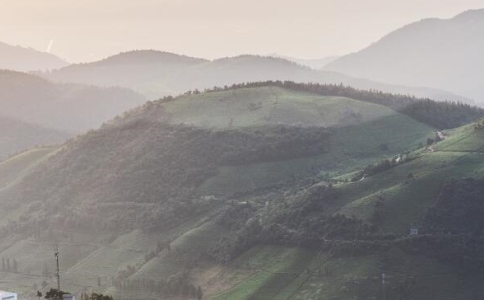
(262,191)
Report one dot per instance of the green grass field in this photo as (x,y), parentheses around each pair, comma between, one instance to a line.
(381,133)
(252,107)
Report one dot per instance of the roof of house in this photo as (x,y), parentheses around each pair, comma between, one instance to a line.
(3,293)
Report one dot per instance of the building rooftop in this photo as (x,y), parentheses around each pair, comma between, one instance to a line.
(4,294)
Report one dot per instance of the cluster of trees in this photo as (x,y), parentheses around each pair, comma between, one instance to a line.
(442,115)
(479,125)
(124,274)
(438,114)
(299,220)
(461,250)
(9,267)
(180,158)
(235,216)
(55,294)
(459,209)
(453,230)
(178,284)
(95,296)
(161,246)
(270,143)
(382,166)
(370,170)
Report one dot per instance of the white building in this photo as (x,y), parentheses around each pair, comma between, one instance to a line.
(7,296)
(67,297)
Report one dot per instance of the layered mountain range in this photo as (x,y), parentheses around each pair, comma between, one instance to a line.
(436,53)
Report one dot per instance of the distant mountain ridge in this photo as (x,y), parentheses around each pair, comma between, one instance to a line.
(27,59)
(438,53)
(172,74)
(313,63)
(69,108)
(149,57)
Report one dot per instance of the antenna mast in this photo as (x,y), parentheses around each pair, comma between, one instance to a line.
(58,269)
(383,283)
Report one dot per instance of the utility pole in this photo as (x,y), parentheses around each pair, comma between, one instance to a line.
(58,269)
(383,284)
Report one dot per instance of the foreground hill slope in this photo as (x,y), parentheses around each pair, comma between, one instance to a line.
(271,195)
(66,107)
(433,52)
(27,59)
(238,127)
(157,74)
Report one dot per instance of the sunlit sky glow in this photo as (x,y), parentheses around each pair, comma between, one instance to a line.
(92,29)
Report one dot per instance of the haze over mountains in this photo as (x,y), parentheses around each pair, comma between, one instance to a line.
(70,108)
(314,63)
(437,53)
(156,74)
(16,136)
(277,189)
(27,59)
(35,111)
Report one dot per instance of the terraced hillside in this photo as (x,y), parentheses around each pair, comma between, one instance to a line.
(257,192)
(392,202)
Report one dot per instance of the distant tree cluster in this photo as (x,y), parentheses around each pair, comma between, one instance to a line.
(442,115)
(95,296)
(54,294)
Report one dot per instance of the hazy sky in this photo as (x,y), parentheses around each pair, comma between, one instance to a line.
(86,30)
